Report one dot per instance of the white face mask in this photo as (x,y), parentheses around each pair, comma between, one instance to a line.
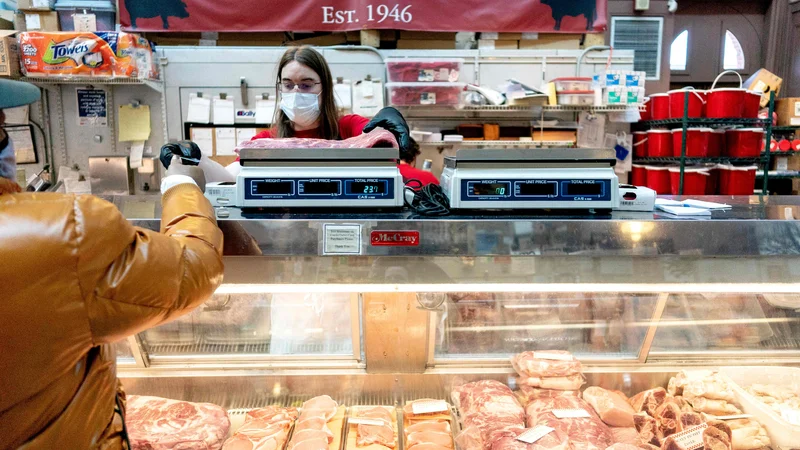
(8,162)
(300,108)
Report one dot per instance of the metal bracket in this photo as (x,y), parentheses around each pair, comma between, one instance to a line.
(243,87)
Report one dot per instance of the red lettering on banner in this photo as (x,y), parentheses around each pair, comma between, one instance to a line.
(394,238)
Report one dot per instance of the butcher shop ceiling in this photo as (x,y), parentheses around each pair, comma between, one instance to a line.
(565,16)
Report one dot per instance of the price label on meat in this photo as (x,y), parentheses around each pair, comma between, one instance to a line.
(429,406)
(690,439)
(570,413)
(553,356)
(791,415)
(534,434)
(370,14)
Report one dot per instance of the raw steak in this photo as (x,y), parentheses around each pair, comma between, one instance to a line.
(156,423)
(648,401)
(485,407)
(625,435)
(570,383)
(612,409)
(527,394)
(377,138)
(584,433)
(536,364)
(263,429)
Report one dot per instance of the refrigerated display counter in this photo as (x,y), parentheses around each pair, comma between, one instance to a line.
(381,308)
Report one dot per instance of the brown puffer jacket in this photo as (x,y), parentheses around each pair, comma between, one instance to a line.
(75,276)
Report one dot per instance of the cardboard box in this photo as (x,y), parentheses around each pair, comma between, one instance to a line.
(766,82)
(490,44)
(426,36)
(552,41)
(413,44)
(35,5)
(9,54)
(788,110)
(6,20)
(37,21)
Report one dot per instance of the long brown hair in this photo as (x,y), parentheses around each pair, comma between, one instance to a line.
(329,115)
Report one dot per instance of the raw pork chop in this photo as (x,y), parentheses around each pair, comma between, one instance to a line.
(427,446)
(377,138)
(375,434)
(322,406)
(314,423)
(158,423)
(263,429)
(610,406)
(431,437)
(584,433)
(439,427)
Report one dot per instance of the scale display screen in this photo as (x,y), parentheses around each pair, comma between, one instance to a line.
(367,188)
(583,189)
(491,189)
(538,189)
(273,188)
(319,187)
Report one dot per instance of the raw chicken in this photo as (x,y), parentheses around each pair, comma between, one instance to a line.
(439,427)
(584,433)
(612,409)
(432,437)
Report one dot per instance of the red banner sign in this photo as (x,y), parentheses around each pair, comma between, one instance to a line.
(394,238)
(565,16)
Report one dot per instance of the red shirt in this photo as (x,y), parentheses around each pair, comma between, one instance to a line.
(412,173)
(351,125)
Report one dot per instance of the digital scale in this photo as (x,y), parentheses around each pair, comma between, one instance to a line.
(313,178)
(531,179)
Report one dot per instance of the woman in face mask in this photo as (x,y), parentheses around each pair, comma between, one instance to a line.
(307,108)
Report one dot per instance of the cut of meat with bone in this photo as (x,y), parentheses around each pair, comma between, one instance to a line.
(377,138)
(546,364)
(156,423)
(714,439)
(647,427)
(314,423)
(713,407)
(583,433)
(612,409)
(376,434)
(272,414)
(432,437)
(263,429)
(376,413)
(648,401)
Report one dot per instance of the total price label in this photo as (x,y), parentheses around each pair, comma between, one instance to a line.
(429,407)
(371,13)
(553,356)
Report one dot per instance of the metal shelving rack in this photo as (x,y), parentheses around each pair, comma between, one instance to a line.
(685,122)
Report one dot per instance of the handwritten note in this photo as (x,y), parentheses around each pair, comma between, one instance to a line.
(134,123)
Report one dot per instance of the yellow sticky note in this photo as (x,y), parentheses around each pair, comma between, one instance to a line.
(551,93)
(134,123)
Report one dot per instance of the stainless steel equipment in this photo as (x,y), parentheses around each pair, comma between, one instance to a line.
(531,179)
(110,175)
(313,178)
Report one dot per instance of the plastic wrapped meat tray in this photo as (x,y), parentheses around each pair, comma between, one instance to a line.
(424,69)
(414,94)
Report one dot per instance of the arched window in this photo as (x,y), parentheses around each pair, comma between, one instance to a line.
(733,55)
(679,51)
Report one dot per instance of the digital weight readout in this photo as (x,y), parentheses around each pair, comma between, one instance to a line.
(273,187)
(501,189)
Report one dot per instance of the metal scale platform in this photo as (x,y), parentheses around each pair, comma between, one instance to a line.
(531,179)
(313,178)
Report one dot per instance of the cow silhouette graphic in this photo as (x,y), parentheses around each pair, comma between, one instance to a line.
(146,9)
(572,8)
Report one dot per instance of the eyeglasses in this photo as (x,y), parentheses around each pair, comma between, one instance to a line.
(306,86)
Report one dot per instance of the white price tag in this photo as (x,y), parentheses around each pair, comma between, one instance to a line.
(365,421)
(426,75)
(137,150)
(797,108)
(429,406)
(553,356)
(427,98)
(341,239)
(367,89)
(791,415)
(33,22)
(692,438)
(84,22)
(570,413)
(534,434)
(42,4)
(735,417)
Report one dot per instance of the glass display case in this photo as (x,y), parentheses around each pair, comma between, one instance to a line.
(635,296)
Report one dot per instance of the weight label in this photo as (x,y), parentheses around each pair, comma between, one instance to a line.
(534,434)
(426,75)
(429,406)
(365,421)
(341,239)
(571,413)
(427,98)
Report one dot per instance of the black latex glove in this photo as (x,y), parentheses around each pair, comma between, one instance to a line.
(187,150)
(392,121)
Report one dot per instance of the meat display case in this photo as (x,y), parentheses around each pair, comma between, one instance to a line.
(635,296)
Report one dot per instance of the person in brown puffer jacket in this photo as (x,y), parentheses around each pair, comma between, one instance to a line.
(75,277)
